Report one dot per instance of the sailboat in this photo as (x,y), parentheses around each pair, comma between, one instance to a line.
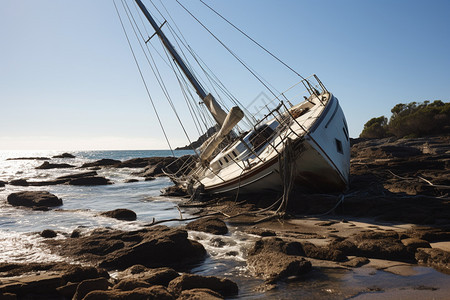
(292,144)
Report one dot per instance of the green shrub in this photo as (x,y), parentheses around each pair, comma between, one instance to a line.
(375,128)
(411,120)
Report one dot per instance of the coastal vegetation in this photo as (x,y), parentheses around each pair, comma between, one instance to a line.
(411,120)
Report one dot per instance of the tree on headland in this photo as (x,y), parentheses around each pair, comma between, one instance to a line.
(411,120)
(375,128)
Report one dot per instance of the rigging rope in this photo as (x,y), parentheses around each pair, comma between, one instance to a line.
(142,77)
(251,39)
(156,72)
(229,50)
(210,76)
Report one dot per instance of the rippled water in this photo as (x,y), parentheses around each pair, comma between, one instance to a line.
(19,241)
(81,204)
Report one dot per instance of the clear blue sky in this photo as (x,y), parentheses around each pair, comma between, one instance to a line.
(68,80)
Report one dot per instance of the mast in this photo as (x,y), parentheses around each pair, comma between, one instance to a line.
(212,105)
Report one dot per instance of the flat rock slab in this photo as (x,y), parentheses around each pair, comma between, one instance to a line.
(434,257)
(34,199)
(45,282)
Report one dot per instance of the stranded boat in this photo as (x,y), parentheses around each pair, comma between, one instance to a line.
(304,144)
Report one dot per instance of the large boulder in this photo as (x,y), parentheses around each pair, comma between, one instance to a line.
(324,253)
(275,266)
(48,233)
(223,286)
(160,246)
(274,244)
(157,246)
(210,225)
(34,199)
(274,259)
(120,214)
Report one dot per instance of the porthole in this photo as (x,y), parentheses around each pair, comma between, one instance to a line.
(339,146)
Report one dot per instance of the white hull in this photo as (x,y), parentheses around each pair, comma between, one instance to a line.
(322,158)
(309,139)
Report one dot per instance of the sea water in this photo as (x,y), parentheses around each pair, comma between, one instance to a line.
(20,240)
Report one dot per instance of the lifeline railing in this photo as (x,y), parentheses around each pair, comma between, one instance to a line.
(281,113)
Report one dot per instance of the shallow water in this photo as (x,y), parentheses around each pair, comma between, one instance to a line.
(19,241)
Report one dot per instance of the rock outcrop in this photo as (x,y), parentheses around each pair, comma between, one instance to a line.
(92,180)
(34,199)
(102,163)
(157,246)
(210,225)
(120,214)
(274,259)
(46,165)
(64,155)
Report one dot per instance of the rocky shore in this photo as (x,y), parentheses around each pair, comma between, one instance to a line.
(395,215)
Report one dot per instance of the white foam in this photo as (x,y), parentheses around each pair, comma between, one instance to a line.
(232,246)
(24,248)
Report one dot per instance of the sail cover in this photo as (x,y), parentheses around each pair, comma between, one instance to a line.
(233,117)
